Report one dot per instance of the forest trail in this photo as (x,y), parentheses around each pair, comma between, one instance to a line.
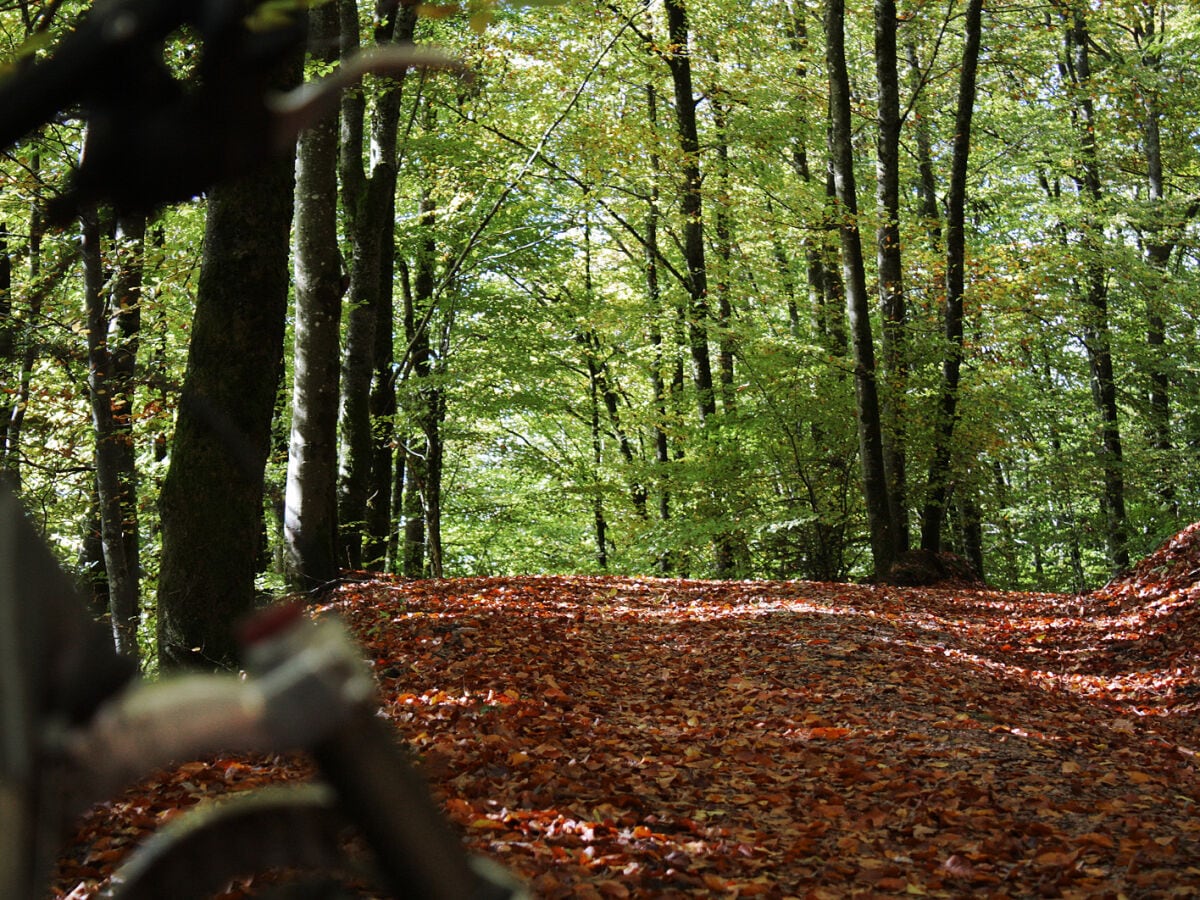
(625,737)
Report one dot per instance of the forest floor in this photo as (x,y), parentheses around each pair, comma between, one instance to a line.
(621,737)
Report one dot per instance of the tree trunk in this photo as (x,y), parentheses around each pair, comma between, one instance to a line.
(658,383)
(423,453)
(310,500)
(122,578)
(367,200)
(691,207)
(723,237)
(212,497)
(124,345)
(8,352)
(26,350)
(1159,247)
(927,181)
(940,464)
(1097,338)
(599,522)
(890,268)
(875,488)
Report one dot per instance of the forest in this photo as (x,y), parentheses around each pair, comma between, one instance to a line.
(777,289)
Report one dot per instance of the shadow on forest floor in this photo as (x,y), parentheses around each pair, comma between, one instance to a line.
(625,737)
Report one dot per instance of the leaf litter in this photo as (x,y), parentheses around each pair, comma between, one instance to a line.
(639,737)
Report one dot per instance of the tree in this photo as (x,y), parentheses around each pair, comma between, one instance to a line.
(939,467)
(1094,290)
(211,503)
(112,354)
(889,264)
(310,504)
(870,436)
(365,476)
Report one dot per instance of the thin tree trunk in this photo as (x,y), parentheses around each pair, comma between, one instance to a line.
(26,349)
(8,348)
(1158,251)
(122,580)
(890,269)
(310,500)
(723,237)
(927,180)
(367,200)
(422,454)
(124,348)
(875,488)
(940,464)
(1097,338)
(691,207)
(658,384)
(599,521)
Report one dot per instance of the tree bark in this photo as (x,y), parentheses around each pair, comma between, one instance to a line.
(1097,337)
(26,350)
(691,206)
(122,577)
(367,200)
(927,180)
(890,269)
(658,383)
(1159,247)
(875,488)
(423,553)
(310,500)
(940,464)
(212,497)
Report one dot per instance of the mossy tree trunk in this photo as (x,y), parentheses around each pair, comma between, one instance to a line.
(212,497)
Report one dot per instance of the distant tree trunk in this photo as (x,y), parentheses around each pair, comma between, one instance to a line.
(723,238)
(422,452)
(891,271)
(122,577)
(382,405)
(679,60)
(612,405)
(875,488)
(658,384)
(124,344)
(927,181)
(8,350)
(367,200)
(1160,244)
(26,350)
(827,300)
(971,529)
(1097,338)
(947,416)
(212,498)
(599,521)
(310,500)
(691,206)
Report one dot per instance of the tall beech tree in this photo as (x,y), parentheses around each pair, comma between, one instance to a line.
(112,336)
(1093,287)
(310,501)
(890,268)
(368,171)
(691,205)
(858,313)
(211,504)
(940,471)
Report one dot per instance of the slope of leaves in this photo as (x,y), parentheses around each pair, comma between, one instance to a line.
(611,737)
